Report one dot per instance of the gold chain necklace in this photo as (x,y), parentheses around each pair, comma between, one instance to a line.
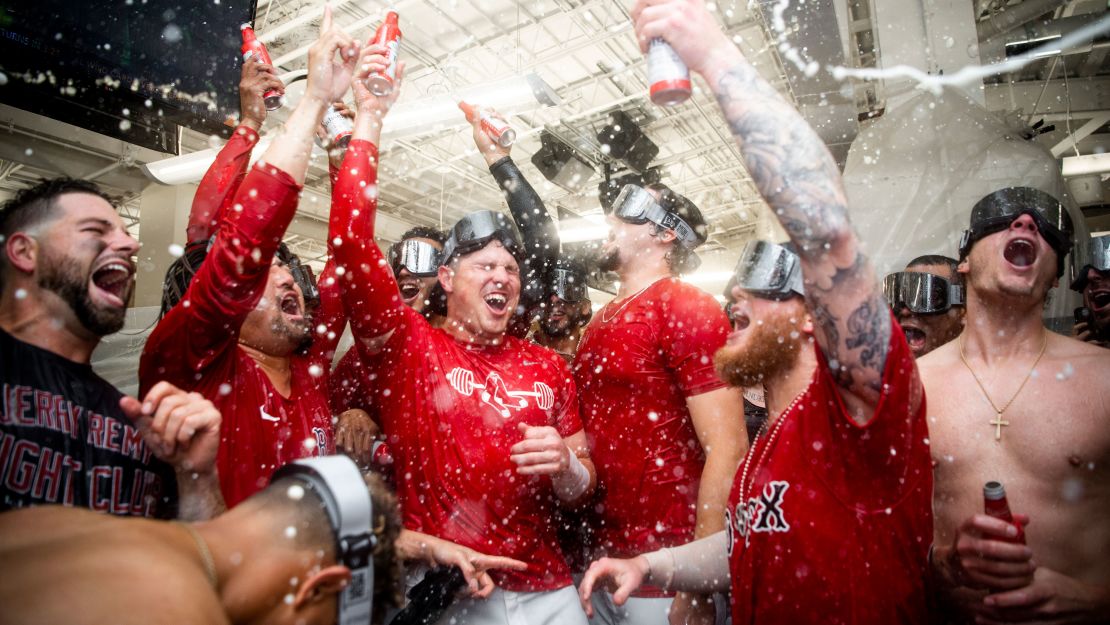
(628,300)
(997,422)
(204,553)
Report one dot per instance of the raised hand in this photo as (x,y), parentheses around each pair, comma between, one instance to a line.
(490,149)
(354,435)
(255,80)
(373,59)
(686,25)
(331,62)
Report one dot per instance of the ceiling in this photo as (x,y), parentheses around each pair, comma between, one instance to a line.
(585,50)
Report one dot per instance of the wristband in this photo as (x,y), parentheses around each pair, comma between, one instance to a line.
(570,484)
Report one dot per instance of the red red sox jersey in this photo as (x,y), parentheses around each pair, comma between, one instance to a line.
(196,346)
(637,363)
(830,521)
(451,411)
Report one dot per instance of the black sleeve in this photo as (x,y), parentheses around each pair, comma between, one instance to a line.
(541,238)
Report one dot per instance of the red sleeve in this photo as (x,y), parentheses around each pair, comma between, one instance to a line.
(890,454)
(219,184)
(369,290)
(567,421)
(227,286)
(345,384)
(695,327)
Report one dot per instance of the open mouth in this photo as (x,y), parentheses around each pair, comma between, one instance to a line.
(915,337)
(114,280)
(290,305)
(409,290)
(1020,253)
(497,302)
(1100,300)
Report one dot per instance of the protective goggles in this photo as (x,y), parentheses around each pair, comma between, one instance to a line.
(636,205)
(567,284)
(302,274)
(1098,258)
(339,485)
(997,211)
(769,270)
(921,293)
(476,230)
(420,258)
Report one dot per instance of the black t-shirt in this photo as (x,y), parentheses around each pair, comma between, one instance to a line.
(65,440)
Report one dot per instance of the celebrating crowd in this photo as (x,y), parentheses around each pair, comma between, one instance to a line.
(492,451)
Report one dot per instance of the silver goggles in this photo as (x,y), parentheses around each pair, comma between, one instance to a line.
(636,205)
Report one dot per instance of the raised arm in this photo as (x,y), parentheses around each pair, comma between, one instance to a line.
(222,180)
(369,289)
(799,180)
(537,228)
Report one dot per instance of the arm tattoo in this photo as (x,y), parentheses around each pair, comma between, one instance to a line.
(801,183)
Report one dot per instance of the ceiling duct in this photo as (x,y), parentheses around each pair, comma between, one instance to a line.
(828,107)
(1008,19)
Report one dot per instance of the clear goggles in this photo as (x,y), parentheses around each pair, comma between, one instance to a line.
(921,293)
(636,205)
(769,270)
(998,210)
(476,230)
(1098,258)
(419,258)
(339,485)
(567,284)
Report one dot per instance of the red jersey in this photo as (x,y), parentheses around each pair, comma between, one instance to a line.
(450,410)
(196,345)
(637,363)
(830,521)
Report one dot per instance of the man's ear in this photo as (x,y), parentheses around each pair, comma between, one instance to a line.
(22,251)
(965,265)
(321,585)
(807,324)
(666,235)
(446,278)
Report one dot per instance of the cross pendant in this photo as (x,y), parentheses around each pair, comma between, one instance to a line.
(997,422)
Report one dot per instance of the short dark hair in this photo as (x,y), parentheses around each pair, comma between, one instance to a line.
(938,259)
(424,232)
(35,205)
(681,259)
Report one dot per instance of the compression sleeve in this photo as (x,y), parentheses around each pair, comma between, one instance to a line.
(699,567)
(541,238)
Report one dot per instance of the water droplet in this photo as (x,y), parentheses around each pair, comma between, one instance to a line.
(176,250)
(290,532)
(295,492)
(315,371)
(225,389)
(288,599)
(20,293)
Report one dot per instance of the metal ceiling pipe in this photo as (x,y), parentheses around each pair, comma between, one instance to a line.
(1009,19)
(1043,33)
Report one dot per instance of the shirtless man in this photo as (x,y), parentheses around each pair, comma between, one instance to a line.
(1013,402)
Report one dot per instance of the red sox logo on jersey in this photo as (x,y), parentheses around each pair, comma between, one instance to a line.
(495,393)
(759,514)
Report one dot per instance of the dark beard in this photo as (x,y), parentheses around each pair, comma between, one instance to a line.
(763,357)
(63,277)
(610,261)
(556,331)
(300,336)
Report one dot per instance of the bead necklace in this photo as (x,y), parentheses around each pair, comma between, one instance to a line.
(745,488)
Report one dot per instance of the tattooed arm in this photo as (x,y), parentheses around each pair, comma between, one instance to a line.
(799,180)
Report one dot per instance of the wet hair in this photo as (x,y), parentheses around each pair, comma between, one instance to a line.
(681,259)
(180,274)
(424,232)
(35,205)
(314,531)
(938,259)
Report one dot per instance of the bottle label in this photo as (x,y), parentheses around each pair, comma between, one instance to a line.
(663,63)
(392,48)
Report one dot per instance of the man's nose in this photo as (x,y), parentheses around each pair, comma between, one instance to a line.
(1024,221)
